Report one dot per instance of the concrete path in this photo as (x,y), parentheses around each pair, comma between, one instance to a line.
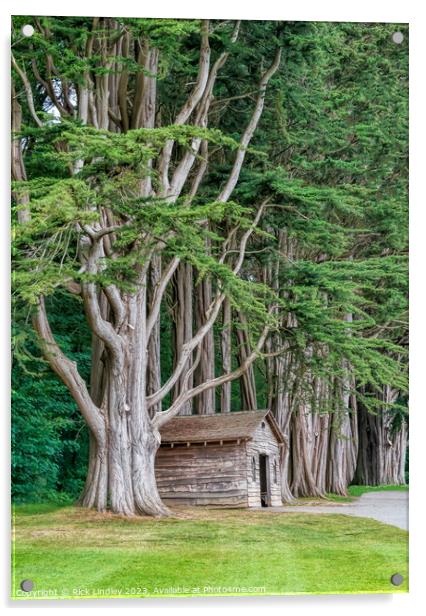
(388,507)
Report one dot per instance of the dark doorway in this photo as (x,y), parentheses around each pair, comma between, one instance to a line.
(265,497)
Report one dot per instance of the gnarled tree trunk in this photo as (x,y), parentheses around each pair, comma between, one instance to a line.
(279,405)
(247,381)
(122,467)
(303,480)
(382,449)
(343,448)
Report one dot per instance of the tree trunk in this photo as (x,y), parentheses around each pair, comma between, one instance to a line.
(320,453)
(320,432)
(226,337)
(278,377)
(247,381)
(343,447)
(382,451)
(94,493)
(279,405)
(204,403)
(182,324)
(153,361)
(95,490)
(303,480)
(122,471)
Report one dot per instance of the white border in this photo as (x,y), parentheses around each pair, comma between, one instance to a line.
(309,10)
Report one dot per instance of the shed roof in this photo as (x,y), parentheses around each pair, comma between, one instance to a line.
(218,427)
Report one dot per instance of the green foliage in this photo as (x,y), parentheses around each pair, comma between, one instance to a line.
(110,177)
(60,207)
(49,438)
(359,490)
(335,135)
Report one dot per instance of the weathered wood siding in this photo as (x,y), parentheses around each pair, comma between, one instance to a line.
(264,442)
(203,475)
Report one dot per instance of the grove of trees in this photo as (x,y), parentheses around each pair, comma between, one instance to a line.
(209,216)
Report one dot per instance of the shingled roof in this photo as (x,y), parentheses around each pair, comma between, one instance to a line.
(216,428)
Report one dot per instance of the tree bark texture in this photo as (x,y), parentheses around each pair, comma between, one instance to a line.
(382,450)
(182,326)
(226,341)
(205,403)
(247,381)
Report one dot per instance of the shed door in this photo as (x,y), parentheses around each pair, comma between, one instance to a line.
(265,492)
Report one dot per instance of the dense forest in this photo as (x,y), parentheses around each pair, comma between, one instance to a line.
(209,216)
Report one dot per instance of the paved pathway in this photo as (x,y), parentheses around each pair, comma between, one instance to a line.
(390,507)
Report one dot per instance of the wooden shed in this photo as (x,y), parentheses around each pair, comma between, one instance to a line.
(224,459)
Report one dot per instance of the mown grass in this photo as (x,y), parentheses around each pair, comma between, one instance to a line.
(359,490)
(336,498)
(71,552)
(353,493)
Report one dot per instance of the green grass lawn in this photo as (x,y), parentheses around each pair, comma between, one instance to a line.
(353,493)
(358,490)
(72,552)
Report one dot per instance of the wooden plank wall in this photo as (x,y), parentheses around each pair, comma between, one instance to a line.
(263,442)
(213,474)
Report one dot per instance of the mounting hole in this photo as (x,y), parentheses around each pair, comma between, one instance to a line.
(397,37)
(27,30)
(397,579)
(27,585)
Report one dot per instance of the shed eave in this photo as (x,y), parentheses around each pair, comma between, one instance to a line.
(206,441)
(275,427)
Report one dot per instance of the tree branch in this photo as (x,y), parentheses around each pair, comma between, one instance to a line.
(248,133)
(190,104)
(68,373)
(28,91)
(202,168)
(114,299)
(187,394)
(211,316)
(103,329)
(48,86)
(184,167)
(159,291)
(65,368)
(243,243)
